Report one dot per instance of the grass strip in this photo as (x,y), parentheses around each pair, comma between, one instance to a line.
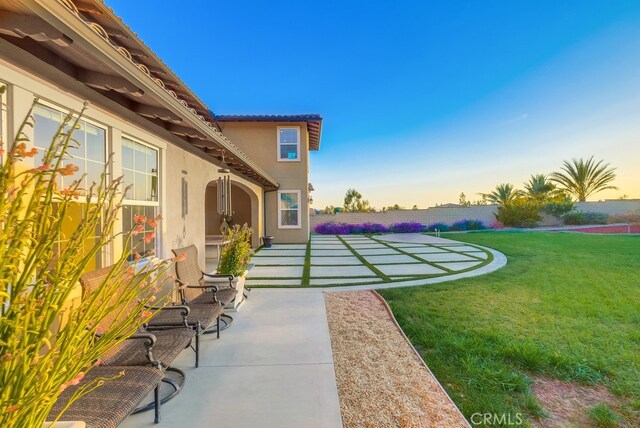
(306,272)
(416,257)
(364,262)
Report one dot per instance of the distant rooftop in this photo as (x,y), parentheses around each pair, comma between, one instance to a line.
(314,123)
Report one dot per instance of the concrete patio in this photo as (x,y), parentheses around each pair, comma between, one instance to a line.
(272,368)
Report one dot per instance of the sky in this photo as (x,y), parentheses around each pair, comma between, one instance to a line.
(421,100)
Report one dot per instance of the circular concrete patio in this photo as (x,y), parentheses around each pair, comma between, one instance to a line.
(348,262)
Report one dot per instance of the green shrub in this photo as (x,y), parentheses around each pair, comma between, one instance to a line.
(582,218)
(520,213)
(558,209)
(235,256)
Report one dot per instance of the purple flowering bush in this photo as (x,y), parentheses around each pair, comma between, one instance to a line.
(413,227)
(349,229)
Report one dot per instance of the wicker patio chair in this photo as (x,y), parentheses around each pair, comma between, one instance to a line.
(198,288)
(147,348)
(196,283)
(175,316)
(108,405)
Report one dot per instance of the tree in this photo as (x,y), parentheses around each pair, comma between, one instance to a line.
(582,178)
(462,200)
(503,194)
(353,202)
(539,188)
(395,207)
(415,207)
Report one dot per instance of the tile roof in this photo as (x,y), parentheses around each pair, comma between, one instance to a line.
(314,122)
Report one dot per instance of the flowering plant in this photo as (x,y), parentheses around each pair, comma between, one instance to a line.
(235,255)
(47,343)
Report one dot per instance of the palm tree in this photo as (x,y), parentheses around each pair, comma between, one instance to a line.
(583,178)
(539,188)
(504,194)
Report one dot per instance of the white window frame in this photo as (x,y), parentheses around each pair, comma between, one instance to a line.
(65,111)
(128,201)
(281,159)
(135,202)
(106,253)
(285,226)
(4,123)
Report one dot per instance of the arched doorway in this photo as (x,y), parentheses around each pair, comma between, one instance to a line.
(244,207)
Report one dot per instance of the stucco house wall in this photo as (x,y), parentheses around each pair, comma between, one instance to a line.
(260,141)
(26,78)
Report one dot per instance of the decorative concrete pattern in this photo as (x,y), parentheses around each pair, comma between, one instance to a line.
(393,260)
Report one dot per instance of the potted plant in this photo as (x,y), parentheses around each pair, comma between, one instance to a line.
(47,340)
(235,257)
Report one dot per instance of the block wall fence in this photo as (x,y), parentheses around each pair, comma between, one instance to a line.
(449,215)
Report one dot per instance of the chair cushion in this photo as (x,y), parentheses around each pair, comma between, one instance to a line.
(206,314)
(132,352)
(224,295)
(108,405)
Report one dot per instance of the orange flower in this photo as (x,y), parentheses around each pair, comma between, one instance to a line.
(149,237)
(139,219)
(70,169)
(152,298)
(12,408)
(180,257)
(74,193)
(145,314)
(152,222)
(21,151)
(138,229)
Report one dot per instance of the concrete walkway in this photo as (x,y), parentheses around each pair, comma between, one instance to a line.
(272,368)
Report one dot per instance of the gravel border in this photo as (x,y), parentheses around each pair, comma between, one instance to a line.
(382,381)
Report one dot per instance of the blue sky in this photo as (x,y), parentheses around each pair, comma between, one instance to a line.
(421,100)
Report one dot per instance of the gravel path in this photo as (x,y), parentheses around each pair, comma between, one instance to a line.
(381,380)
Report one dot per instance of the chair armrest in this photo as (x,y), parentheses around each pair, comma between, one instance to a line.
(209,278)
(218,275)
(149,341)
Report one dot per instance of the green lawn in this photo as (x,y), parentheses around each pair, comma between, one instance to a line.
(566,306)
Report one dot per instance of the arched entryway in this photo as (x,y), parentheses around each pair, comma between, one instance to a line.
(245,209)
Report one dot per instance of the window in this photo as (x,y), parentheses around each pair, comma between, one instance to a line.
(289,209)
(288,144)
(140,171)
(87,153)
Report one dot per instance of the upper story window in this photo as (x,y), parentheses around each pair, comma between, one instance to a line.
(288,143)
(86,151)
(289,209)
